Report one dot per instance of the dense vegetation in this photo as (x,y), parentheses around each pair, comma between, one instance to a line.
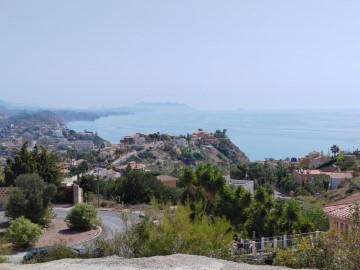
(228,149)
(82,217)
(184,230)
(30,198)
(333,250)
(22,232)
(260,213)
(37,161)
(139,187)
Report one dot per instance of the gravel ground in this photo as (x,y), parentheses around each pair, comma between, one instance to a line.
(59,232)
(173,262)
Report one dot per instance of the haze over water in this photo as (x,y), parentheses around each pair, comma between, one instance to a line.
(260,134)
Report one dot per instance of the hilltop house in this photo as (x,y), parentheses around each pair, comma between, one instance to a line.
(133,139)
(107,153)
(133,165)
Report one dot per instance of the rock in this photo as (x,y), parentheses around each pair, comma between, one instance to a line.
(173,262)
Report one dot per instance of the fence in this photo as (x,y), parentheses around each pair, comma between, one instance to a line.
(268,244)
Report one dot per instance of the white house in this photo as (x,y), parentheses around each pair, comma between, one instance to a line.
(248,185)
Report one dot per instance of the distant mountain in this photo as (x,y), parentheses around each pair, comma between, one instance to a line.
(69,115)
(5,104)
(6,109)
(30,120)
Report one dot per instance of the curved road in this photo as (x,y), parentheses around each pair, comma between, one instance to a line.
(111,222)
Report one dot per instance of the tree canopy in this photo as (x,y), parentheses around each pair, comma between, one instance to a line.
(30,198)
(259,212)
(37,161)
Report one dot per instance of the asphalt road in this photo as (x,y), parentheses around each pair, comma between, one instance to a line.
(111,222)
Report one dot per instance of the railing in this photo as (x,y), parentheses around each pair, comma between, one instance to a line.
(268,244)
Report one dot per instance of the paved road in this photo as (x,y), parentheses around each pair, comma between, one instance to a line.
(111,222)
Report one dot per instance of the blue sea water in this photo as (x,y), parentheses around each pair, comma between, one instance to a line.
(260,134)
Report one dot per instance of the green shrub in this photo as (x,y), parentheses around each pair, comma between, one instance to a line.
(103,204)
(89,196)
(82,217)
(47,217)
(199,156)
(30,199)
(182,230)
(22,232)
(147,154)
(305,254)
(54,253)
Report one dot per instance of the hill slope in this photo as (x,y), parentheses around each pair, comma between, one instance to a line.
(172,153)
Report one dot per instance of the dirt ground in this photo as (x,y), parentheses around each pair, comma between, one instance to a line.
(172,262)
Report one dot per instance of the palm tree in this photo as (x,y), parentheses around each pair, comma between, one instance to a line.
(335,149)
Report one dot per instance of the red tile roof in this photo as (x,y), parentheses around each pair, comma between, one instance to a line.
(342,208)
(351,199)
(342,211)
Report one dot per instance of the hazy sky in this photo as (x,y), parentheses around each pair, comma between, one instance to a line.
(208,54)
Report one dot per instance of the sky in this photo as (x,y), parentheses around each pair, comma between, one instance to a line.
(231,54)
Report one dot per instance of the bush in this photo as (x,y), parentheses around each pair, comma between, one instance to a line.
(22,232)
(103,204)
(306,254)
(82,217)
(53,253)
(30,199)
(182,230)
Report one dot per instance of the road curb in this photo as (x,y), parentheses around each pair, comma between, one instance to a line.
(91,238)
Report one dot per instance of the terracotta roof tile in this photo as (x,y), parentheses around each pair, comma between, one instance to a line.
(351,199)
(342,208)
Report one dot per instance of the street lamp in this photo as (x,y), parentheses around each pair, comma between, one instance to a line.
(118,198)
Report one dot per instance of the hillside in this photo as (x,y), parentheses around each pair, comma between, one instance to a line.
(30,120)
(346,189)
(171,153)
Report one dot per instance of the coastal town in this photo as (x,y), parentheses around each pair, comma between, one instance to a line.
(113,159)
(88,170)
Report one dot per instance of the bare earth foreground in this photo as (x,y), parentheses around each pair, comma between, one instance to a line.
(177,261)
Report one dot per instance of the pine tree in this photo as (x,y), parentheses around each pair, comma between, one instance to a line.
(26,162)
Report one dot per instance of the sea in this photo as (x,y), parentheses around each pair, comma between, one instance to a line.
(261,134)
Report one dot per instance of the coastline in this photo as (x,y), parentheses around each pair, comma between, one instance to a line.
(260,134)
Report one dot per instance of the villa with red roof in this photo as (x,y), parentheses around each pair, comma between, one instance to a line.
(310,176)
(340,211)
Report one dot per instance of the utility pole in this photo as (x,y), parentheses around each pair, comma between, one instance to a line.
(98,186)
(98,190)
